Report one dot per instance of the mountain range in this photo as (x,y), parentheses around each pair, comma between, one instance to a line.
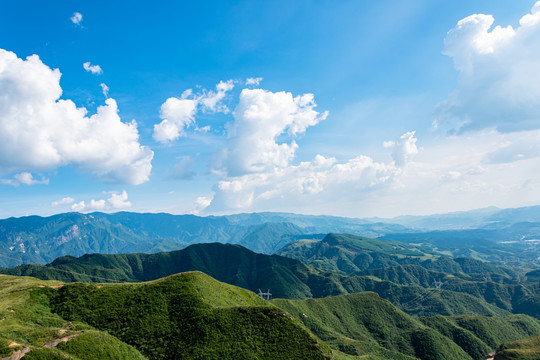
(500,236)
(161,286)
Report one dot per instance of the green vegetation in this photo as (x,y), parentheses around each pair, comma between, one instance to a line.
(27,323)
(354,254)
(189,316)
(526,349)
(374,327)
(233,264)
(364,324)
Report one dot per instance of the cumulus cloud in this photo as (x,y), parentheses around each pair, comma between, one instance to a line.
(253,81)
(114,202)
(201,203)
(403,149)
(499,75)
(24,178)
(322,179)
(94,69)
(76,18)
(178,114)
(259,119)
(257,165)
(64,201)
(38,131)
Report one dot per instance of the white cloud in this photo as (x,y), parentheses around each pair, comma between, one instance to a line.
(253,81)
(65,201)
(104,89)
(24,178)
(94,69)
(38,131)
(200,204)
(79,207)
(499,75)
(76,18)
(114,202)
(403,149)
(211,100)
(259,119)
(119,201)
(309,183)
(257,165)
(178,114)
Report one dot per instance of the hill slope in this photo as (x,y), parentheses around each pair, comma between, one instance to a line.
(366,324)
(28,327)
(350,253)
(233,264)
(185,316)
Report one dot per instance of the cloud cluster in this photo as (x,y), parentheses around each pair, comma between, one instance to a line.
(178,114)
(499,81)
(40,132)
(257,168)
(116,201)
(260,118)
(94,69)
(312,182)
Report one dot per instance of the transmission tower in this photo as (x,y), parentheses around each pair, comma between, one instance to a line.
(438,284)
(265,295)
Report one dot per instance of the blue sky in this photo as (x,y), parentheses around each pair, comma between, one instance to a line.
(351,108)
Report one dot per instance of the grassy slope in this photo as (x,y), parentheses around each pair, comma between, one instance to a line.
(27,322)
(189,316)
(366,324)
(526,349)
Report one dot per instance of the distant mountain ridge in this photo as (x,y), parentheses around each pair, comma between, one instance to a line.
(502,236)
(40,240)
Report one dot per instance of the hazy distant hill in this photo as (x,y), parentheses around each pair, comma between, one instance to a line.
(35,239)
(506,236)
(351,253)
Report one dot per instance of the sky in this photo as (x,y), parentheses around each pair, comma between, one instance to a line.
(350,108)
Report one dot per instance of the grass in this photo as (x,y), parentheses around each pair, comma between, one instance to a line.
(189,316)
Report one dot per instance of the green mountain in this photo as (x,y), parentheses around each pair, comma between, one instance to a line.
(526,349)
(350,254)
(189,316)
(362,324)
(184,316)
(233,264)
(29,328)
(192,316)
